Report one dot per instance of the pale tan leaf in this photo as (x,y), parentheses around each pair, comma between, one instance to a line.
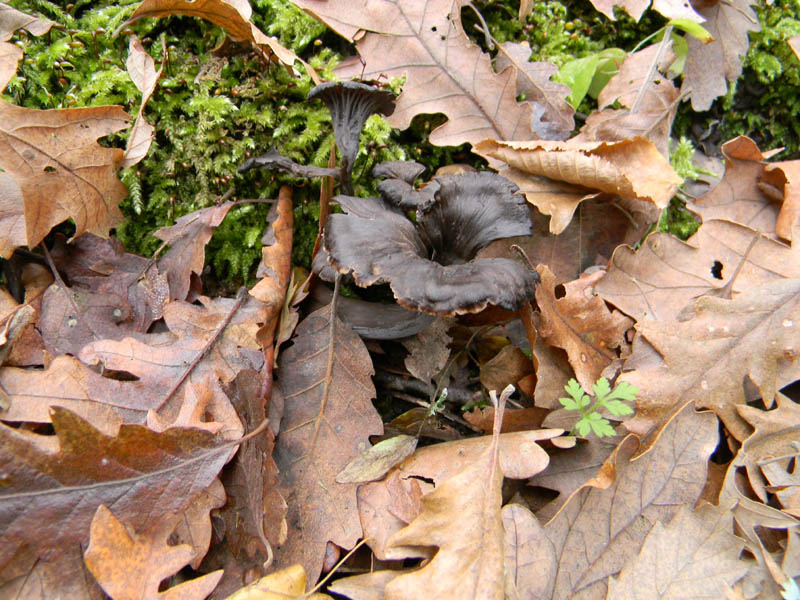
(581,324)
(710,67)
(631,168)
(281,585)
(376,461)
(12,19)
(784,177)
(527,569)
(131,566)
(423,41)
(428,350)
(10,55)
(694,555)
(719,344)
(142,71)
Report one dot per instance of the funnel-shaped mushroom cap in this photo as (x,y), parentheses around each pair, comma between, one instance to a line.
(351,104)
(430,265)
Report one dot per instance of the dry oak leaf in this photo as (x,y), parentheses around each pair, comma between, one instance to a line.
(665,274)
(55,483)
(187,241)
(63,577)
(631,168)
(12,19)
(10,55)
(717,345)
(386,506)
(783,178)
(232,15)
(738,197)
(767,453)
(285,584)
(672,9)
(694,555)
(142,71)
(710,67)
(61,170)
(428,350)
(582,324)
(131,566)
(207,343)
(552,114)
(424,42)
(655,112)
(526,574)
(328,418)
(599,530)
(461,517)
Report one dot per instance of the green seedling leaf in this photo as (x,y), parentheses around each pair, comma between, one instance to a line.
(693,29)
(681,49)
(577,75)
(569,403)
(618,408)
(574,389)
(612,400)
(607,66)
(625,391)
(602,388)
(600,426)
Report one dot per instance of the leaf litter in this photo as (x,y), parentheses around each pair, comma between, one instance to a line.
(148,429)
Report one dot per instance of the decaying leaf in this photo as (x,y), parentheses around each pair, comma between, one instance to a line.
(556,176)
(424,42)
(694,555)
(325,379)
(738,196)
(598,530)
(64,577)
(710,67)
(141,68)
(665,274)
(57,482)
(61,170)
(131,566)
(506,368)
(718,344)
(376,461)
(552,115)
(581,324)
(429,350)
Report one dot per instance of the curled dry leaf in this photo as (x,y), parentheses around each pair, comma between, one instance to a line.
(719,343)
(131,566)
(141,68)
(665,274)
(672,9)
(599,530)
(694,555)
(710,67)
(424,42)
(328,418)
(58,482)
(10,55)
(581,324)
(12,19)
(783,178)
(738,196)
(61,170)
(548,173)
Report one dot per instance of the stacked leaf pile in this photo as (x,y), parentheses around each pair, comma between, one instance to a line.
(160,442)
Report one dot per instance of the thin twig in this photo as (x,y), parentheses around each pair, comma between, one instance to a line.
(444,412)
(483,27)
(241,296)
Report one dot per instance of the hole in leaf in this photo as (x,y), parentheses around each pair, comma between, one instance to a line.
(560,291)
(716,269)
(49,169)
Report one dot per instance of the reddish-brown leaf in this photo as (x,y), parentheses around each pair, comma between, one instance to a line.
(61,170)
(325,379)
(581,324)
(63,577)
(131,566)
(423,41)
(55,483)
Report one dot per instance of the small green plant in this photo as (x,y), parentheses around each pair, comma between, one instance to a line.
(437,405)
(612,400)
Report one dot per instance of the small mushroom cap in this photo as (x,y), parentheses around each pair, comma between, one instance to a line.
(430,265)
(405,170)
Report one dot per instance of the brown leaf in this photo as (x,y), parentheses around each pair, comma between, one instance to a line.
(187,240)
(581,324)
(552,114)
(232,15)
(56,483)
(654,114)
(599,530)
(275,269)
(514,419)
(462,518)
(194,523)
(281,585)
(709,67)
(141,68)
(63,577)
(11,20)
(62,171)
(376,461)
(557,176)
(10,55)
(695,554)
(207,343)
(131,566)
(506,368)
(590,238)
(665,274)
(328,418)
(719,344)
(784,177)
(738,197)
(443,70)
(523,535)
(255,514)
(428,350)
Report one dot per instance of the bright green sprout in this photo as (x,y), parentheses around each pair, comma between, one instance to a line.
(613,401)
